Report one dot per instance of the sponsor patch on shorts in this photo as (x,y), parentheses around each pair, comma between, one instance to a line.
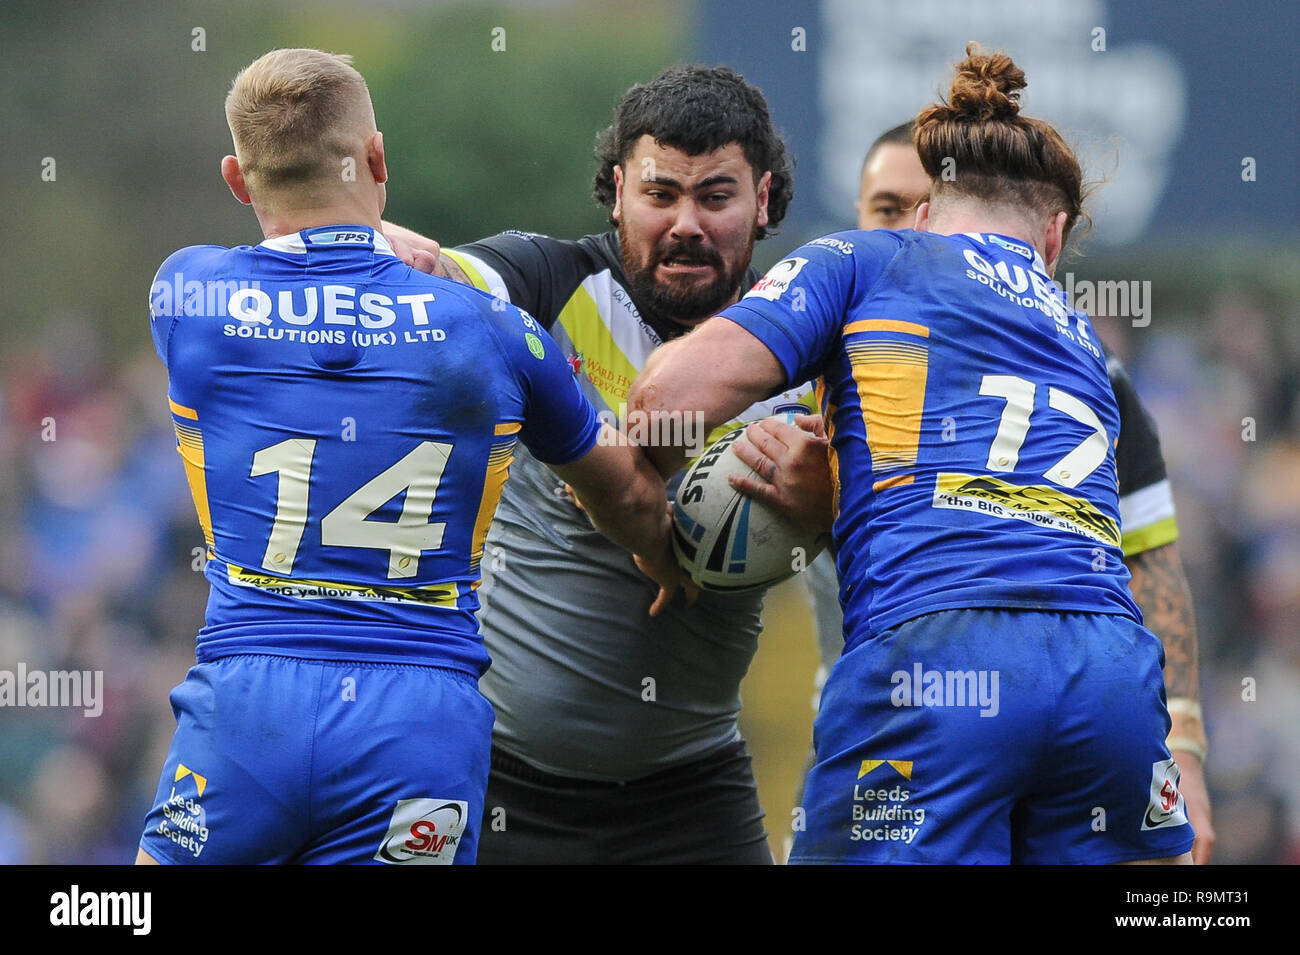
(424,832)
(1166,807)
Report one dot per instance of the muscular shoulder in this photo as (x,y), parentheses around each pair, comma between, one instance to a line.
(193,281)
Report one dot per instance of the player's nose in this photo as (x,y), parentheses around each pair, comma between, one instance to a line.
(686,222)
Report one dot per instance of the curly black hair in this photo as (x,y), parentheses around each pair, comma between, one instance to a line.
(698,109)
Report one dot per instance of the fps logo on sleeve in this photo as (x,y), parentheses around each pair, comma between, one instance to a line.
(424,832)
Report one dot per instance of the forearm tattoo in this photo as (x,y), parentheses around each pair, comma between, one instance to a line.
(1160,589)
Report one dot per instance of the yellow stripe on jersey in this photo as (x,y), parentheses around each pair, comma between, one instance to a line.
(1034,503)
(181,411)
(888,351)
(1147,518)
(833,457)
(886,325)
(498,469)
(508,427)
(471,272)
(436,595)
(1150,537)
(603,363)
(896,481)
(891,390)
(189,445)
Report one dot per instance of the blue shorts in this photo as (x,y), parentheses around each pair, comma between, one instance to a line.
(995,736)
(282,760)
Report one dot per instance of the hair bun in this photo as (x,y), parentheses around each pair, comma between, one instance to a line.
(1002,156)
(987,87)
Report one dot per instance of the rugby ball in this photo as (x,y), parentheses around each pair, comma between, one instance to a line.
(730,543)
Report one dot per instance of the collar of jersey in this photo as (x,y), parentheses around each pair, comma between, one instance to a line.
(983,238)
(295,244)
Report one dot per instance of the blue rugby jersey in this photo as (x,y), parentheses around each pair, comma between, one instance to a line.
(971,419)
(346,425)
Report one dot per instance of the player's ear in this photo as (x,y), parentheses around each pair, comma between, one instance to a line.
(618,193)
(1054,241)
(375,157)
(922,217)
(764,189)
(234,177)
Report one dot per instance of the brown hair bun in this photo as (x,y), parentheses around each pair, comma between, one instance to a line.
(986,86)
(978,144)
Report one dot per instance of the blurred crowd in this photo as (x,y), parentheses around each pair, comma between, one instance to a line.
(97,539)
(1224,388)
(101,559)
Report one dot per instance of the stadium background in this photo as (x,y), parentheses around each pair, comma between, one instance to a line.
(97,532)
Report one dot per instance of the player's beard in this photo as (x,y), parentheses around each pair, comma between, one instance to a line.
(682,300)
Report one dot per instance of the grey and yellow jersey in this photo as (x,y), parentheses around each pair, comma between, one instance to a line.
(584,682)
(1146,502)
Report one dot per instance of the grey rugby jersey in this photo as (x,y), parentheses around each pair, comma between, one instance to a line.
(584,682)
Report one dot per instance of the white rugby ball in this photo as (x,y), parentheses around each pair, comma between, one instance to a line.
(730,543)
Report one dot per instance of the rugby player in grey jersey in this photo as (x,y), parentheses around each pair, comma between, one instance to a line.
(616,737)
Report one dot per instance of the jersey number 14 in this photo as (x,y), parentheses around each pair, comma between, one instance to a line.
(418,474)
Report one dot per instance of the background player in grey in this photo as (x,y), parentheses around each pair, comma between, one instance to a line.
(616,737)
(893,182)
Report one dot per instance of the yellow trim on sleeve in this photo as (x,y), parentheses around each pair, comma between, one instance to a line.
(1150,537)
(467,267)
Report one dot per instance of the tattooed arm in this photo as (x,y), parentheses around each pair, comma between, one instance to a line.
(1160,589)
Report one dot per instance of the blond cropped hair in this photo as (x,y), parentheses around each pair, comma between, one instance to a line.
(296,115)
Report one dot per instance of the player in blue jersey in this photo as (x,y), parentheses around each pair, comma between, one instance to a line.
(892,184)
(346,426)
(997,700)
